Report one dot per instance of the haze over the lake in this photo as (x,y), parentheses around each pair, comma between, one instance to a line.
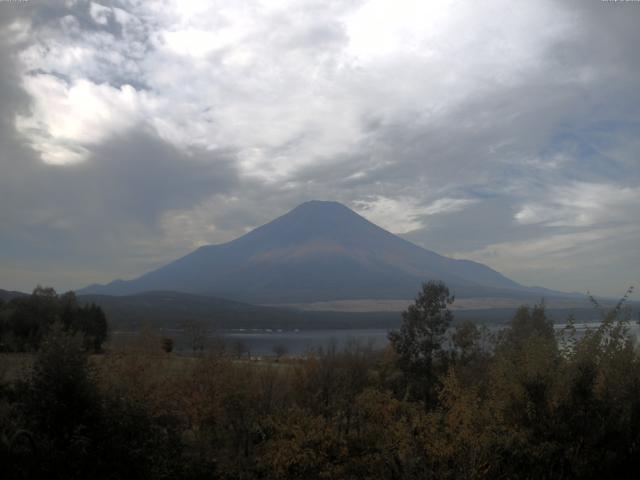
(504,132)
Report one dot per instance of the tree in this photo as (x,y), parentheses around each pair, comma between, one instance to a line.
(465,340)
(30,318)
(529,323)
(167,344)
(279,350)
(61,390)
(3,324)
(240,348)
(470,352)
(93,324)
(197,335)
(61,404)
(418,343)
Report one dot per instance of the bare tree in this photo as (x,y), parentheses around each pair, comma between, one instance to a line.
(280,350)
(240,348)
(196,335)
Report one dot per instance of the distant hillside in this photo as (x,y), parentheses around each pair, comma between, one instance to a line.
(165,309)
(177,310)
(7,295)
(319,251)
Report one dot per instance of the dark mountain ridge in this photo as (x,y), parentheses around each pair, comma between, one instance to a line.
(318,251)
(7,295)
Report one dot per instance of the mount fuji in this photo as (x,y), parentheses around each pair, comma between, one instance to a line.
(319,251)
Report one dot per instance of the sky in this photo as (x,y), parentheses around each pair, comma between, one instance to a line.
(132,132)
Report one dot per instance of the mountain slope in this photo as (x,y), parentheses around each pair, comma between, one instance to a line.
(7,295)
(175,310)
(318,251)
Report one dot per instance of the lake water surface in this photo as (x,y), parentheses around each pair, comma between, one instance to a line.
(297,342)
(261,342)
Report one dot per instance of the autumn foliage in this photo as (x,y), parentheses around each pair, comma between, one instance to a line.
(458,403)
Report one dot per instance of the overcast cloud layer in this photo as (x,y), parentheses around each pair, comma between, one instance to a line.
(504,132)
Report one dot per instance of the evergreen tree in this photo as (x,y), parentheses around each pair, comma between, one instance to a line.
(418,343)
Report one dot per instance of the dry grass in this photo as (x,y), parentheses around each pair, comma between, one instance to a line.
(14,366)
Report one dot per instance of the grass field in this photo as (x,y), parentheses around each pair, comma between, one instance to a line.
(15,365)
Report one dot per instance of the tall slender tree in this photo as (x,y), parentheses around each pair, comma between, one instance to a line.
(418,343)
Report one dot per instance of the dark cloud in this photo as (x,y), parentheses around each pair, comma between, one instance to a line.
(98,214)
(104,203)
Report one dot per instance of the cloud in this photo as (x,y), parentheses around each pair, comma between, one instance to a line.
(595,257)
(134,131)
(66,119)
(579,204)
(404,215)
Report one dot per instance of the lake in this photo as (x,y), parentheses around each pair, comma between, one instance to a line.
(264,342)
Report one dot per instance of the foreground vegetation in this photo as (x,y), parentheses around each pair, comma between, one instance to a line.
(525,403)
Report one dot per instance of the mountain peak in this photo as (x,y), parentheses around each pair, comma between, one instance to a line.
(322,207)
(311,220)
(320,250)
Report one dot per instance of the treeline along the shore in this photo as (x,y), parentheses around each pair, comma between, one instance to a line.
(527,402)
(25,320)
